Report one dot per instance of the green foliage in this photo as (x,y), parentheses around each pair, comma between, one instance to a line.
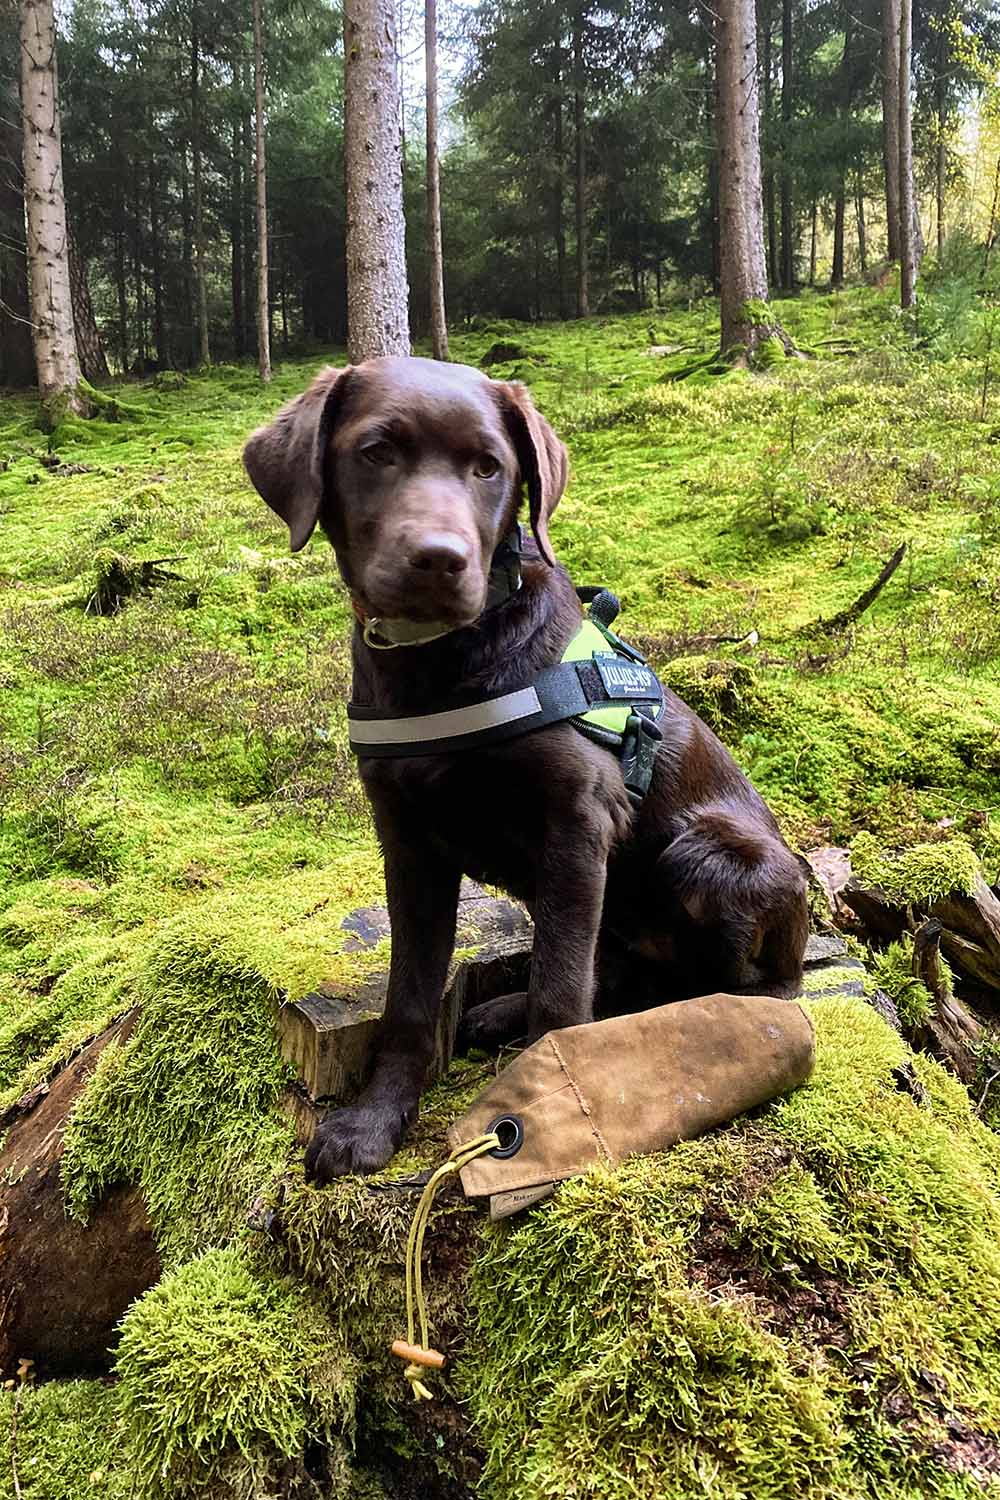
(225,1374)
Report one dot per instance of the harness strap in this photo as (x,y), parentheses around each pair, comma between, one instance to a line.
(611,696)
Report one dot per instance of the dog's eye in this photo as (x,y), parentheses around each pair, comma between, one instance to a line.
(380,454)
(486,466)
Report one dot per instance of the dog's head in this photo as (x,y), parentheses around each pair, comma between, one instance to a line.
(415,471)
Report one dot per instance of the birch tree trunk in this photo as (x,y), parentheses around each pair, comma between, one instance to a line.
(201,290)
(435,255)
(53,333)
(746,318)
(907,237)
(890,122)
(263,314)
(582,277)
(377,291)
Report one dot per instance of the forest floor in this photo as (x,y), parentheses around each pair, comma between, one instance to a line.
(180,824)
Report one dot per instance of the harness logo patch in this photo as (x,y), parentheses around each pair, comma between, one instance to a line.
(627,679)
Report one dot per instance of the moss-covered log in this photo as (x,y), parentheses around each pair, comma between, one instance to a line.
(64,1285)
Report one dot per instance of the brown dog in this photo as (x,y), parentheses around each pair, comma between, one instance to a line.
(415,472)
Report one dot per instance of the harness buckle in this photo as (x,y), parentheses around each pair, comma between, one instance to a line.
(640,740)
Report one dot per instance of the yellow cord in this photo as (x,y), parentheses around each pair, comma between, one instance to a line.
(414,1255)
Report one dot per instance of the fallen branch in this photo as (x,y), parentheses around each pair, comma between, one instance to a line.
(951,1033)
(864,601)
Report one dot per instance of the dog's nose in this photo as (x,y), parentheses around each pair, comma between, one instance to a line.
(441,552)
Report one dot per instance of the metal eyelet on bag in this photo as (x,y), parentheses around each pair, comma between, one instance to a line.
(510,1129)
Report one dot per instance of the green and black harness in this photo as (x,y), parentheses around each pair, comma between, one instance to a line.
(602,686)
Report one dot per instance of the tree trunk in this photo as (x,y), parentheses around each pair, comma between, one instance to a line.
(188,259)
(787,107)
(263,300)
(840,202)
(859,209)
(770,206)
(582,285)
(17,360)
(890,121)
(122,290)
(435,257)
(746,318)
(813,224)
(559,148)
(249,227)
(907,238)
(236,241)
(89,349)
(201,289)
(940,154)
(156,247)
(45,204)
(377,291)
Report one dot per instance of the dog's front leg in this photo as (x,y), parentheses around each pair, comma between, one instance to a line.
(572,873)
(422,890)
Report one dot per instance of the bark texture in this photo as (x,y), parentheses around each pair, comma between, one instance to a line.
(263,305)
(907,205)
(435,255)
(890,121)
(45,204)
(745,319)
(377,291)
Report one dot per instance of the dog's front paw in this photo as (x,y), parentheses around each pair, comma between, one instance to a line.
(494,1023)
(361,1139)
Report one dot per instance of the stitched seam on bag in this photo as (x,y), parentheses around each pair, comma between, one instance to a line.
(584,1106)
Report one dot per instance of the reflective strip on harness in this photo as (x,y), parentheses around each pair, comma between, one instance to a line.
(426,728)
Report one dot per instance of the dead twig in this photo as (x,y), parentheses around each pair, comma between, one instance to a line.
(864,601)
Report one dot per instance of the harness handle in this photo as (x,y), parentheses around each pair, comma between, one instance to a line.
(604,605)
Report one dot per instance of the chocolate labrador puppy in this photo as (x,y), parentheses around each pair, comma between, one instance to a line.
(415,471)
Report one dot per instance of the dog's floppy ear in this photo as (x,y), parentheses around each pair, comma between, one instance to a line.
(542,457)
(285,459)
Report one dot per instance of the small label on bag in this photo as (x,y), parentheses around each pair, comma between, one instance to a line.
(502,1205)
(627,679)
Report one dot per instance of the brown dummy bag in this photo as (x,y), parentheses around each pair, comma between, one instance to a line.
(627,1086)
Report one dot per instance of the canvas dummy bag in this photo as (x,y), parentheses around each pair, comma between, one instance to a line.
(595,1094)
(630,1085)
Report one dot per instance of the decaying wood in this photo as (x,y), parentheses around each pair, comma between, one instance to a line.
(877,917)
(971,936)
(65,1285)
(952,1033)
(864,601)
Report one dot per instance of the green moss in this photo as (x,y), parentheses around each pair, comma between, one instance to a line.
(188,1107)
(892,971)
(922,874)
(726,694)
(224,1376)
(71,1443)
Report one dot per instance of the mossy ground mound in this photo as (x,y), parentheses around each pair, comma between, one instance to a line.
(804,1303)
